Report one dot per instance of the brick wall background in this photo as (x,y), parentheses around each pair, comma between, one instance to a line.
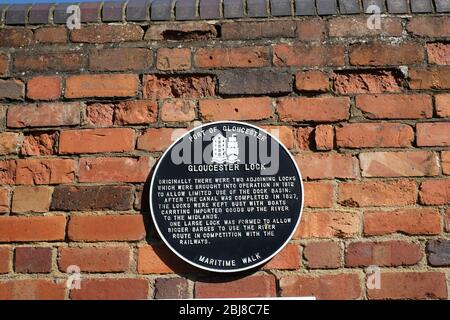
(84,115)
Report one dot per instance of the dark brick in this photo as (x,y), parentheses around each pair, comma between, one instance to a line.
(60,14)
(326,7)
(39,14)
(439,253)
(185,10)
(305,8)
(113,11)
(12,89)
(379,3)
(2,12)
(397,6)
(138,10)
(17,14)
(256,82)
(442,5)
(90,11)
(349,6)
(421,6)
(258,30)
(280,8)
(210,9)
(233,9)
(33,260)
(15,37)
(257,8)
(171,288)
(68,198)
(161,10)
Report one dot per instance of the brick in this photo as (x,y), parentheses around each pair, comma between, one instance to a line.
(311,30)
(399,164)
(99,115)
(284,134)
(44,88)
(429,27)
(173,59)
(287,259)
(318,194)
(39,13)
(5,257)
(33,260)
(243,57)
(410,285)
(373,81)
(447,221)
(121,169)
(157,139)
(233,9)
(32,228)
(305,138)
(437,78)
(374,135)
(15,37)
(110,85)
(31,199)
(377,193)
(377,54)
(236,109)
(438,53)
(445,162)
(48,61)
(45,171)
(396,106)
(51,35)
(320,109)
(68,198)
(383,254)
(113,11)
(32,289)
(178,110)
(113,59)
(438,253)
(443,105)
(96,140)
(421,6)
(304,8)
(435,192)
(39,144)
(442,5)
(324,137)
(405,221)
(323,255)
(158,259)
(251,286)
(237,30)
(356,27)
(8,143)
(316,81)
(7,171)
(12,89)
(4,200)
(106,33)
(328,224)
(257,82)
(4,62)
(280,8)
(195,31)
(433,134)
(181,86)
(172,288)
(44,115)
(327,165)
(111,289)
(136,112)
(308,55)
(95,259)
(323,287)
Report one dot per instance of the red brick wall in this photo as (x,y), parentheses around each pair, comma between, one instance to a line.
(85,114)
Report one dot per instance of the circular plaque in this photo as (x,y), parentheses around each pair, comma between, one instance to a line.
(226,196)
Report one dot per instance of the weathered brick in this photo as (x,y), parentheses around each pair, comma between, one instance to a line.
(323,287)
(4,200)
(438,53)
(429,78)
(236,109)
(87,198)
(377,54)
(32,289)
(287,259)
(328,224)
(438,253)
(44,115)
(8,143)
(158,139)
(136,112)
(44,88)
(321,109)
(405,221)
(410,285)
(429,27)
(171,59)
(113,59)
(51,35)
(4,62)
(283,133)
(112,289)
(251,286)
(256,82)
(311,30)
(324,137)
(12,89)
(158,259)
(99,115)
(305,138)
(101,85)
(181,86)
(237,30)
(433,134)
(374,81)
(384,254)
(318,194)
(443,105)
(435,192)
(7,171)
(445,162)
(308,55)
(377,193)
(316,81)
(323,255)
(33,260)
(48,61)
(374,135)
(242,57)
(178,110)
(105,33)
(447,221)
(171,288)
(121,169)
(31,199)
(399,164)
(45,171)
(197,31)
(32,228)
(15,37)
(5,257)
(327,165)
(39,144)
(95,259)
(353,27)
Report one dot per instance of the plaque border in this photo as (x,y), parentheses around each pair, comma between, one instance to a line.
(220,270)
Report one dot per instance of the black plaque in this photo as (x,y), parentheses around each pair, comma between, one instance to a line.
(226,196)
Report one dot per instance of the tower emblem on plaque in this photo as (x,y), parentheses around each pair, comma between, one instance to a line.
(225,150)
